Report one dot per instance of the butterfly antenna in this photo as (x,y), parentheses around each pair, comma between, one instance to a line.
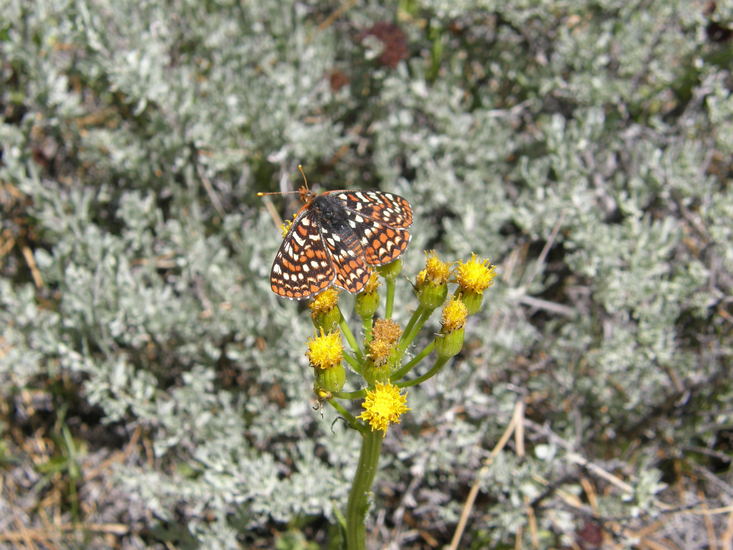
(261,194)
(299,191)
(302,173)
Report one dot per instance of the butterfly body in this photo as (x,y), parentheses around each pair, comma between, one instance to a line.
(336,237)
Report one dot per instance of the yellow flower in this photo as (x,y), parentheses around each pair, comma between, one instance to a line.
(324,302)
(386,329)
(436,271)
(372,284)
(475,275)
(383,406)
(285,227)
(325,351)
(450,340)
(378,351)
(454,315)
(431,284)
(324,311)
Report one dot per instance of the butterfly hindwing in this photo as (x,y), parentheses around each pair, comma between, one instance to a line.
(347,255)
(382,244)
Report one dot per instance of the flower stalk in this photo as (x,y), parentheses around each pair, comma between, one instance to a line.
(381,359)
(358,503)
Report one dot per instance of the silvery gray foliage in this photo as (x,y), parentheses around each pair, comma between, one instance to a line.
(601,130)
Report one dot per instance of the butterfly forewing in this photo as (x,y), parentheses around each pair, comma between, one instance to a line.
(302,266)
(390,209)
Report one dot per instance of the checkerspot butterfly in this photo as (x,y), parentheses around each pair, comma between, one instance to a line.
(335,238)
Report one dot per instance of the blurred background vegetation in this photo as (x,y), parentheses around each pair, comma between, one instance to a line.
(154,392)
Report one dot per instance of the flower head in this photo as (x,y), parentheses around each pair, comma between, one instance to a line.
(390,270)
(475,275)
(325,351)
(324,311)
(324,302)
(383,406)
(367,301)
(436,271)
(431,284)
(386,329)
(285,227)
(372,284)
(378,351)
(454,315)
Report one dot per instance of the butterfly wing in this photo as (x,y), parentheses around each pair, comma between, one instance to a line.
(388,208)
(302,266)
(379,220)
(347,255)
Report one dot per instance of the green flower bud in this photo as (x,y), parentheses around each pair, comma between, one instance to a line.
(327,320)
(366,304)
(391,270)
(449,344)
(330,380)
(431,295)
(473,300)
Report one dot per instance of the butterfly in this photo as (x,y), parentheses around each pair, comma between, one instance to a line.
(336,237)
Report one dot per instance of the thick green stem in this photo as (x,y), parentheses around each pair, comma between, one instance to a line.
(354,362)
(358,394)
(413,319)
(358,504)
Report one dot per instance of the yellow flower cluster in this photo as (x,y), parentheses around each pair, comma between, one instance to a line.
(436,271)
(383,406)
(386,329)
(324,302)
(325,351)
(454,315)
(475,275)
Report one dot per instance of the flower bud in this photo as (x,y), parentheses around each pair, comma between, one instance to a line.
(450,340)
(391,270)
(431,284)
(324,311)
(367,301)
(330,380)
(449,344)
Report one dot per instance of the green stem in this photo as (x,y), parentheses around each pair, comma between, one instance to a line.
(358,504)
(358,394)
(350,419)
(413,319)
(346,331)
(407,367)
(389,306)
(367,324)
(354,362)
(416,322)
(439,362)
